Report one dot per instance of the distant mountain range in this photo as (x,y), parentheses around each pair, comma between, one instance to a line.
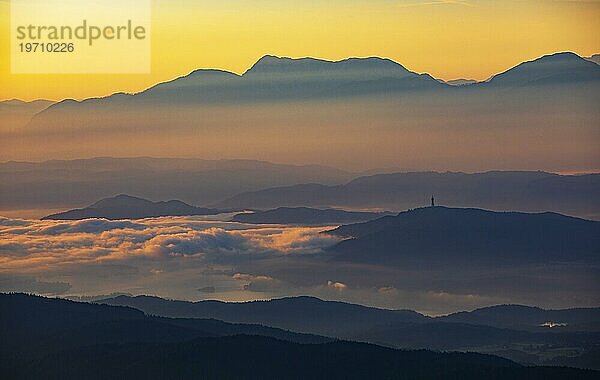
(15,114)
(310,110)
(298,110)
(523,191)
(280,78)
(54,338)
(74,183)
(273,78)
(33,106)
(464,236)
(127,207)
(334,318)
(306,216)
(485,330)
(257,185)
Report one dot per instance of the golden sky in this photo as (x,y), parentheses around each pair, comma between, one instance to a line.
(448,39)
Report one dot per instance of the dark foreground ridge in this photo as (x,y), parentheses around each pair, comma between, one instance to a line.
(127,207)
(511,331)
(53,338)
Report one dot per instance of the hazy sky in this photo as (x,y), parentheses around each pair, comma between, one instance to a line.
(448,39)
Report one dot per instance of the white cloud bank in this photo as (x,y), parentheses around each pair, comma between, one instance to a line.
(30,245)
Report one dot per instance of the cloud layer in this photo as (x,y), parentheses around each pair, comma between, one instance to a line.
(30,245)
(193,258)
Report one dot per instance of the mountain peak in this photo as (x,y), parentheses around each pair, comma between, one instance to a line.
(125,206)
(270,64)
(270,59)
(119,200)
(564,67)
(565,56)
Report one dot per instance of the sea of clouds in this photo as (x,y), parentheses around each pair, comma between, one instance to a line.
(195,258)
(31,245)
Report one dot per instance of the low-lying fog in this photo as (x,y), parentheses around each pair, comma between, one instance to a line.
(196,258)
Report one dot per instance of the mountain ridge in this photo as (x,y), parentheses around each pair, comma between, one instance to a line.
(397,70)
(455,331)
(552,68)
(299,314)
(32,185)
(124,206)
(414,111)
(305,215)
(469,236)
(55,338)
(530,191)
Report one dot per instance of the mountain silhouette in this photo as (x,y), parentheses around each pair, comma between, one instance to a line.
(281,78)
(374,103)
(15,113)
(65,184)
(499,190)
(332,317)
(255,357)
(529,318)
(54,338)
(549,69)
(299,314)
(75,322)
(306,216)
(375,67)
(38,104)
(464,236)
(408,330)
(127,207)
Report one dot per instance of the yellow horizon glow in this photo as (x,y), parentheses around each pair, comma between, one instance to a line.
(447,39)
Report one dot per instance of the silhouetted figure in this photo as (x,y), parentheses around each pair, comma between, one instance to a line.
(432,201)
